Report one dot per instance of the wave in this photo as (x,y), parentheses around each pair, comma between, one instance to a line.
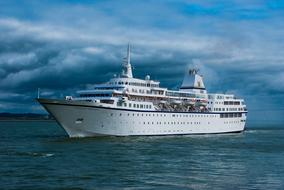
(34,154)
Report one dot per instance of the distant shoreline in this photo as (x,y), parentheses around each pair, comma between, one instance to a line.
(25,117)
(47,120)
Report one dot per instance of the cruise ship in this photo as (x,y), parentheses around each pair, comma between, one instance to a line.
(128,106)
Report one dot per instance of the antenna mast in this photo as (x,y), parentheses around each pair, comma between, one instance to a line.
(127,70)
(38,92)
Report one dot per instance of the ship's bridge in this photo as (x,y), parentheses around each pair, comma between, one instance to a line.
(134,82)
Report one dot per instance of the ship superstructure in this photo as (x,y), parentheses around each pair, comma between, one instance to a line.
(126,106)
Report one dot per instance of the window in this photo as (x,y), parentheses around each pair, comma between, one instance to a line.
(236,103)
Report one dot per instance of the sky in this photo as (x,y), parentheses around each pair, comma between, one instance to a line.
(61,46)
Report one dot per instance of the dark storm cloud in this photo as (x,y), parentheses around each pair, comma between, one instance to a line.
(62,46)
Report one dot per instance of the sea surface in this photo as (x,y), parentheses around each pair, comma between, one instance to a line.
(39,155)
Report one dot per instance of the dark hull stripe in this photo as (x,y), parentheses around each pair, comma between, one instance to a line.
(230,132)
(170,134)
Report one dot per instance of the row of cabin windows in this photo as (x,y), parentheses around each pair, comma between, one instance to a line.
(165,115)
(135,84)
(219,109)
(230,122)
(142,91)
(230,115)
(171,123)
(182,94)
(231,103)
(220,97)
(121,104)
(228,109)
(226,103)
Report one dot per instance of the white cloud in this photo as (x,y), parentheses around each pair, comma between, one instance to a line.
(93,50)
(14,79)
(18,59)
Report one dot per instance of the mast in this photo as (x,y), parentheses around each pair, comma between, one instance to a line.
(126,66)
(38,92)
(128,54)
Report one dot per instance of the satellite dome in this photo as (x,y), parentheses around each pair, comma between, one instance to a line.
(147,77)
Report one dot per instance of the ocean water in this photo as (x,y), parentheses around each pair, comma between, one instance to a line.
(39,155)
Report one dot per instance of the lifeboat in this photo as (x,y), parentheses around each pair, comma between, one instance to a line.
(176,102)
(201,102)
(189,102)
(163,102)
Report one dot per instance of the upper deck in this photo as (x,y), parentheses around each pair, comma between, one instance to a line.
(192,94)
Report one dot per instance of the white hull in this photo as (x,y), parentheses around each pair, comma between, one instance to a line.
(84,120)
